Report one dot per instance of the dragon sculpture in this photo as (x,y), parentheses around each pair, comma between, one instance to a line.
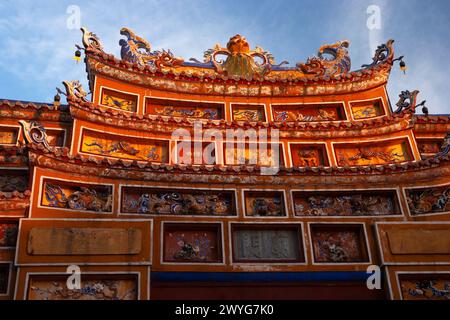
(138,50)
(321,66)
(34,133)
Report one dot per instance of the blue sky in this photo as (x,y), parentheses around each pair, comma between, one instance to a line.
(37,47)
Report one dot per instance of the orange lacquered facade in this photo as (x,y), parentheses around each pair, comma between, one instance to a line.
(101,184)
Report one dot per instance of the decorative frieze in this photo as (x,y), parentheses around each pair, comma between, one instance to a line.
(267,243)
(428,200)
(93,287)
(425,286)
(11,180)
(192,243)
(338,243)
(346,203)
(76,196)
(143,200)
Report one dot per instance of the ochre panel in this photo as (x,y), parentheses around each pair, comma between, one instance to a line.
(367,109)
(84,241)
(308,112)
(373,153)
(419,241)
(9,135)
(126,147)
(242,112)
(422,201)
(184,109)
(119,100)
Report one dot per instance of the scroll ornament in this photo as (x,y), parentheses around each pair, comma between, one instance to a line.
(138,50)
(34,133)
(340,62)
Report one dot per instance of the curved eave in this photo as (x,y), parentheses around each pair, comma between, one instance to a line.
(190,80)
(108,167)
(88,111)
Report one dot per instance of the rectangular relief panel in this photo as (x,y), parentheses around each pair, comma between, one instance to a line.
(309,155)
(428,200)
(248,112)
(8,233)
(4,277)
(308,112)
(346,203)
(119,100)
(267,243)
(124,147)
(339,243)
(84,241)
(143,200)
(76,196)
(189,152)
(9,135)
(367,109)
(429,146)
(93,287)
(373,152)
(192,243)
(264,204)
(55,137)
(11,180)
(433,286)
(253,154)
(184,109)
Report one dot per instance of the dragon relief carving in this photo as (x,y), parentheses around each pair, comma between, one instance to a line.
(138,50)
(407,101)
(321,66)
(241,61)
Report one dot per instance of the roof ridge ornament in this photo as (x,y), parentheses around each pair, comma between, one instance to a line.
(321,66)
(34,132)
(73,88)
(383,53)
(240,60)
(138,50)
(407,101)
(445,148)
(91,40)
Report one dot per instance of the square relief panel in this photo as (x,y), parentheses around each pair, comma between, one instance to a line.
(248,112)
(367,109)
(264,203)
(9,135)
(8,233)
(338,243)
(309,155)
(192,243)
(184,109)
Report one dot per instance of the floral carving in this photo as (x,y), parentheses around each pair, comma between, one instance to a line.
(98,199)
(90,40)
(383,53)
